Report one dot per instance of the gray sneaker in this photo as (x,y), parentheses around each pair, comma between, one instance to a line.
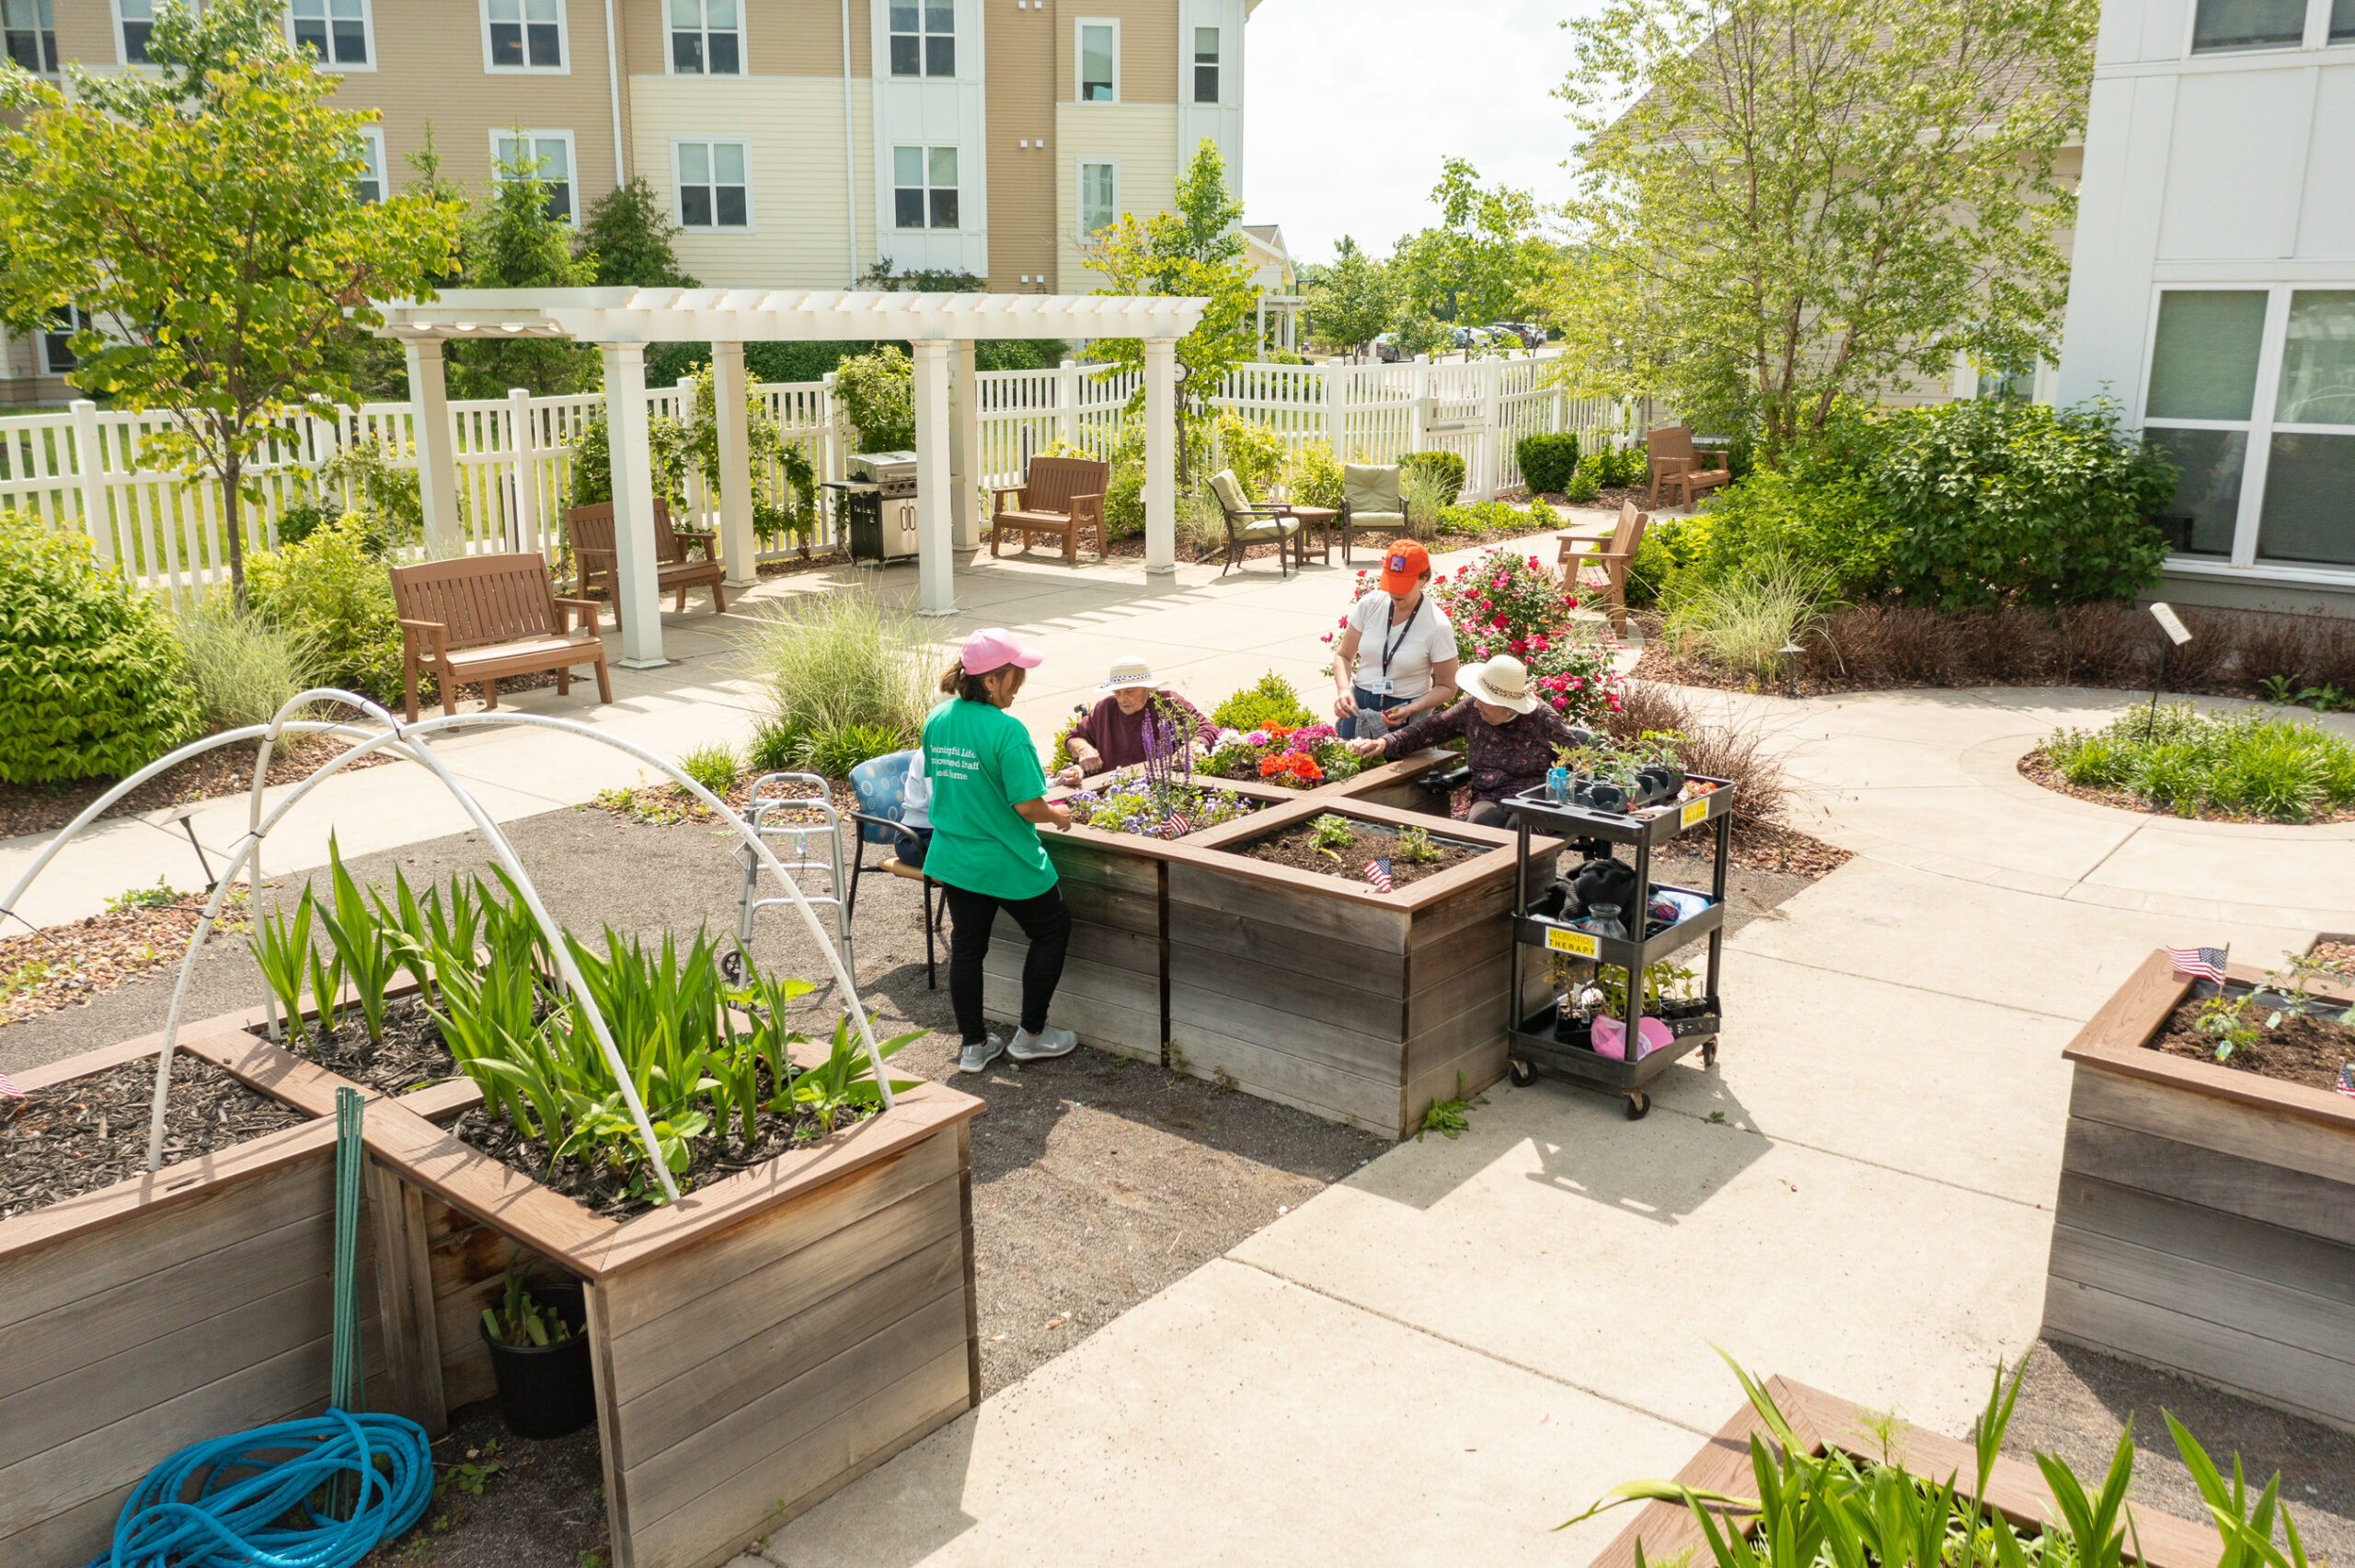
(1046,1044)
(974,1057)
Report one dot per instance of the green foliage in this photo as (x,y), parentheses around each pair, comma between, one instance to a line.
(1835,526)
(1548,462)
(91,678)
(875,390)
(333,593)
(154,897)
(1353,301)
(1020,353)
(240,667)
(2178,759)
(203,214)
(1666,557)
(1415,846)
(840,661)
(1330,835)
(1483,518)
(519,1318)
(1581,486)
(834,752)
(365,476)
(1485,261)
(1996,500)
(1313,475)
(627,234)
(1252,450)
(365,954)
(776,747)
(715,767)
(1444,467)
(1271,701)
(281,945)
(512,241)
(1447,1117)
(1742,621)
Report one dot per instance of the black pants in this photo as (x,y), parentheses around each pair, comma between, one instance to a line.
(1044,920)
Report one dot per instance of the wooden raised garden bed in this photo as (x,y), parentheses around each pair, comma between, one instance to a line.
(1322,993)
(1668,1531)
(2206,1217)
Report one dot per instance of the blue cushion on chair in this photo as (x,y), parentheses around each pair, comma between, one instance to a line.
(880,784)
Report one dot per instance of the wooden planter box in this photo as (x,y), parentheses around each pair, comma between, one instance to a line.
(1823,1422)
(2206,1217)
(1325,995)
(167,1309)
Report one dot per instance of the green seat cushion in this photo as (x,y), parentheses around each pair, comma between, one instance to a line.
(1394,521)
(1229,491)
(1270,528)
(1371,488)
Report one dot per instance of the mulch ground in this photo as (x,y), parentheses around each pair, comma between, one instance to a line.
(44,809)
(2038,768)
(2336,956)
(88,1133)
(66,966)
(2301,1050)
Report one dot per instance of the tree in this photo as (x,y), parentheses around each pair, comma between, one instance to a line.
(1353,301)
(627,235)
(1194,247)
(1485,261)
(1812,199)
(516,241)
(203,215)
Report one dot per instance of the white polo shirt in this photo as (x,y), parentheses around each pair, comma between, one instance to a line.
(1428,640)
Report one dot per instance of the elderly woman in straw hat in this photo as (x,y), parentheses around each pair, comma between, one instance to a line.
(1508,734)
(1113,733)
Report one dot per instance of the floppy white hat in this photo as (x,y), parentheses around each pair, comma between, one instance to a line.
(1502,681)
(1127,673)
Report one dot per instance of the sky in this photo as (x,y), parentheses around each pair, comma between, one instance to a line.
(1350,105)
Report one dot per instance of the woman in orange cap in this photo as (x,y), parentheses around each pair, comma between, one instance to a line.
(1396,656)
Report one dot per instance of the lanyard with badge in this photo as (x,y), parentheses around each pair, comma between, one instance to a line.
(1382,685)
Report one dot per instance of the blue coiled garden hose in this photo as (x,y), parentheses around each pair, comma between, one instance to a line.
(254,1482)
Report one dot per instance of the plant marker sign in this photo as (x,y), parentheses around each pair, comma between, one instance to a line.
(2177,635)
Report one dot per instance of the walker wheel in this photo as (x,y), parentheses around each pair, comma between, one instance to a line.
(1638,1103)
(731,966)
(1522,1073)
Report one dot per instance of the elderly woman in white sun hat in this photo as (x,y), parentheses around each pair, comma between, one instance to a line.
(1509,736)
(1113,733)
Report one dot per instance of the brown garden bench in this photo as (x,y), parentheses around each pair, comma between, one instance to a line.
(480,617)
(591,531)
(1060,497)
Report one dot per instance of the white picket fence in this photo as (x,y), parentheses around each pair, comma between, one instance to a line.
(88,471)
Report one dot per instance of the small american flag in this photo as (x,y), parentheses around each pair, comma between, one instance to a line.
(2203,963)
(8,1089)
(1177,827)
(2347,1079)
(1378,873)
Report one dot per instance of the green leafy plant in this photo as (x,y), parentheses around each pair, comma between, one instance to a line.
(715,767)
(1548,462)
(1271,700)
(2178,759)
(332,595)
(1744,623)
(2226,1017)
(847,1078)
(1312,475)
(154,897)
(1415,846)
(778,747)
(1581,486)
(519,1317)
(1446,468)
(1447,1117)
(1059,755)
(832,753)
(364,953)
(843,659)
(241,668)
(875,392)
(1833,525)
(1329,834)
(1425,496)
(281,945)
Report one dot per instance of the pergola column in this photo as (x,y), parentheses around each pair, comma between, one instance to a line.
(636,602)
(437,466)
(737,544)
(1160,455)
(935,506)
(965,442)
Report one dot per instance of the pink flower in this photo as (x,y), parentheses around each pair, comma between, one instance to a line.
(1570,604)
(1517,646)
(1480,652)
(1561,704)
(1533,566)
(1540,644)
(1578,683)
(1326,638)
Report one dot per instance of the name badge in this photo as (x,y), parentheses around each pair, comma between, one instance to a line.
(1378,685)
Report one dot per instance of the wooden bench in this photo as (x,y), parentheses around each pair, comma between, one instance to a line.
(592,529)
(1585,566)
(480,617)
(1060,497)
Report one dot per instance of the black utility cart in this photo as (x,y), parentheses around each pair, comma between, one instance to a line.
(1547,1043)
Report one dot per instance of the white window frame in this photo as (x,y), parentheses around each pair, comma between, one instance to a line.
(927,149)
(1194,66)
(743,49)
(374,136)
(563,46)
(1078,38)
(1079,193)
(367,36)
(122,47)
(955,36)
(678,211)
(50,54)
(2316,34)
(571,161)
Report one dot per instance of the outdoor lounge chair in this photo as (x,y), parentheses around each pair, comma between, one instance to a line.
(479,617)
(591,531)
(1247,524)
(881,782)
(1677,465)
(1371,501)
(1060,495)
(1587,569)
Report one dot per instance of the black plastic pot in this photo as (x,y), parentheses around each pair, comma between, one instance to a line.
(547,1391)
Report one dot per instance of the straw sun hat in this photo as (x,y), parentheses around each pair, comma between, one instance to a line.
(1502,681)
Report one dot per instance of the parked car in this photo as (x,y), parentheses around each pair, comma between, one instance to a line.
(1386,349)
(1530,336)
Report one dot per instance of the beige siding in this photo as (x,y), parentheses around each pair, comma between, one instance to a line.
(85,31)
(782,38)
(1142,139)
(1148,48)
(801,221)
(1018,46)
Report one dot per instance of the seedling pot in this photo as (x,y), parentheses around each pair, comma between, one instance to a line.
(547,1391)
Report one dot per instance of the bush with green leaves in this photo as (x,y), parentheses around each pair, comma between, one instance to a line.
(1581,486)
(877,395)
(334,593)
(2176,758)
(1271,701)
(91,682)
(1313,475)
(1666,558)
(1548,461)
(1446,468)
(715,767)
(241,668)
(1425,494)
(1831,523)
(1744,620)
(1252,450)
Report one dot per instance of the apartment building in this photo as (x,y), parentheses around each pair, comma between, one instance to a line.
(796,142)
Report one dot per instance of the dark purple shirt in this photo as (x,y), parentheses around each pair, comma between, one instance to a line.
(1118,737)
(1506,759)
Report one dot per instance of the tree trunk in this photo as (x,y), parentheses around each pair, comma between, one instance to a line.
(233,516)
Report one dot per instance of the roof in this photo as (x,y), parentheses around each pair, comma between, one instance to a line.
(731,316)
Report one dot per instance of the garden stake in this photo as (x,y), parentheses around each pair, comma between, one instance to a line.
(345,1388)
(2177,634)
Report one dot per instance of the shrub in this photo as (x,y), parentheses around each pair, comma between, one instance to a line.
(241,668)
(1834,526)
(1253,450)
(1313,475)
(1508,602)
(841,661)
(1201,522)
(1446,468)
(1580,488)
(715,767)
(776,747)
(1997,501)
(90,678)
(2178,759)
(1548,462)
(1124,500)
(877,396)
(333,592)
(834,752)
(1743,621)
(1426,495)
(1484,517)
(1271,702)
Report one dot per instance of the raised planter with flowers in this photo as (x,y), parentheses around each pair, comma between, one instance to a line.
(2206,1214)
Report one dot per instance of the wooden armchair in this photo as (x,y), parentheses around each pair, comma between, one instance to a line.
(1676,463)
(1586,568)
(1060,495)
(1247,524)
(591,531)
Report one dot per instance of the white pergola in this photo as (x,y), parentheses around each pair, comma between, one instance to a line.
(942,329)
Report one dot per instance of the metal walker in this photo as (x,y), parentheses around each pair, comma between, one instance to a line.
(802,810)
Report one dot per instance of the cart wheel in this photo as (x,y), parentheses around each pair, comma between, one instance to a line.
(1522,1073)
(1709,1053)
(1638,1103)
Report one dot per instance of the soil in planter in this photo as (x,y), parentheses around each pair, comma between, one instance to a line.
(87,1133)
(2304,1050)
(1292,847)
(409,1056)
(501,1501)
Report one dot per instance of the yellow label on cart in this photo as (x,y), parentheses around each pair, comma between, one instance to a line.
(1695,811)
(1576,942)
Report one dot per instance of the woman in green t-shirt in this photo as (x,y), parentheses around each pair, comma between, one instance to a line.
(988,799)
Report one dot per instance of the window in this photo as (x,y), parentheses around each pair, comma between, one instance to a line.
(136,19)
(2310,470)
(2204,386)
(712,191)
(2342,21)
(2248,24)
(1206,65)
(1098,199)
(370,185)
(924,182)
(704,39)
(525,35)
(2009,386)
(335,30)
(1099,52)
(57,338)
(513,157)
(31,33)
(923,38)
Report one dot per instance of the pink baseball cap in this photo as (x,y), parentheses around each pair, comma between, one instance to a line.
(993,647)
